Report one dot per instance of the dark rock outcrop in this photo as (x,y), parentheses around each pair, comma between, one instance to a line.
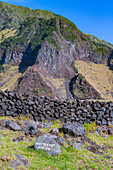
(0,142)
(34,83)
(74,129)
(19,161)
(30,130)
(12,125)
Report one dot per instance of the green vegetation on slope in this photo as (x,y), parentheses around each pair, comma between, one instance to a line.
(95,40)
(69,158)
(68,30)
(35,26)
(100,46)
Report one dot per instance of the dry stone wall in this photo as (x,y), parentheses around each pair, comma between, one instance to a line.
(42,108)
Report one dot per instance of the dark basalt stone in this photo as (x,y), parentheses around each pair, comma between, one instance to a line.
(19,161)
(9,113)
(30,130)
(104,122)
(2,112)
(111,114)
(12,125)
(74,129)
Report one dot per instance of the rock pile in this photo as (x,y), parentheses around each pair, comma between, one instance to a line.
(42,108)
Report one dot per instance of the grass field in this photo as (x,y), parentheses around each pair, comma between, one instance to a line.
(59,87)
(7,33)
(69,159)
(8,78)
(99,76)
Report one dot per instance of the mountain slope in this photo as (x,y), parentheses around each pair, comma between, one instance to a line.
(47,43)
(99,76)
(96,41)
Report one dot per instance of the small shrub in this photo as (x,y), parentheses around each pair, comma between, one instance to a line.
(90,127)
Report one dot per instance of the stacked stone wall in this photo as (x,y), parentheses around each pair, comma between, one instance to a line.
(42,108)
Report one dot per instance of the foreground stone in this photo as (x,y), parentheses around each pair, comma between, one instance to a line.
(46,125)
(59,140)
(47,144)
(76,145)
(30,123)
(74,129)
(30,130)
(0,142)
(3,123)
(12,125)
(110,130)
(19,161)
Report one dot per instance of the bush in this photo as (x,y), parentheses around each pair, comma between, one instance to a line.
(90,127)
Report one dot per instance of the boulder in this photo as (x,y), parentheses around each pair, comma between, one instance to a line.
(0,142)
(30,130)
(76,145)
(59,140)
(62,141)
(30,123)
(55,131)
(9,113)
(3,123)
(104,122)
(12,125)
(19,161)
(2,112)
(47,144)
(46,125)
(96,133)
(26,122)
(110,130)
(74,129)
(111,114)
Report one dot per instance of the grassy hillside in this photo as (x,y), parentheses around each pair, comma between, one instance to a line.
(4,34)
(69,158)
(59,87)
(8,77)
(99,76)
(96,41)
(100,46)
(36,26)
(32,28)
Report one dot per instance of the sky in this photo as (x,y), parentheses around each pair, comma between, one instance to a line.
(94,17)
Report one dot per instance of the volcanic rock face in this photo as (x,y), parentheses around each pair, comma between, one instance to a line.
(57,64)
(33,83)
